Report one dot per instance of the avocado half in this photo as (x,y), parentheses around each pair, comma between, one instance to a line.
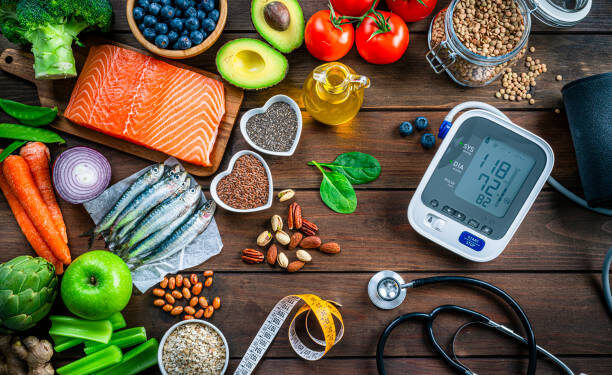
(251,64)
(283,40)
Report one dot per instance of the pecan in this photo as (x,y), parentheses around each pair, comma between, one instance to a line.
(296,238)
(309,228)
(297,216)
(290,215)
(252,256)
(272,253)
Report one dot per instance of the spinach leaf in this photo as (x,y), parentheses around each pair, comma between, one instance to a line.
(359,168)
(336,191)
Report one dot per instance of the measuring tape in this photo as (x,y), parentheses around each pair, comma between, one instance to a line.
(324,311)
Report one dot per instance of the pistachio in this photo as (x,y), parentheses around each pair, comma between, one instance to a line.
(285,195)
(277,223)
(303,255)
(282,260)
(264,238)
(282,237)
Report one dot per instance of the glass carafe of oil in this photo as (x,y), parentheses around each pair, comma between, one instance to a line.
(333,93)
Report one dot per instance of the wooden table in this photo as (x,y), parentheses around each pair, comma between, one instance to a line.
(551,266)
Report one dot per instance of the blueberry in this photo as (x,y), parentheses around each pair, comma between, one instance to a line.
(405,129)
(181,4)
(172,36)
(209,25)
(178,12)
(214,15)
(166,2)
(176,24)
(167,12)
(138,13)
(184,42)
(208,5)
(161,28)
(144,4)
(185,32)
(428,140)
(149,20)
(204,33)
(141,26)
(162,41)
(421,123)
(201,15)
(149,33)
(191,12)
(196,37)
(192,23)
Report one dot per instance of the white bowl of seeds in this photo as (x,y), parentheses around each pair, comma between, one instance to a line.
(275,128)
(193,347)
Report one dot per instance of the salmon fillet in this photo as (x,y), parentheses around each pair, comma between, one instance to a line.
(135,97)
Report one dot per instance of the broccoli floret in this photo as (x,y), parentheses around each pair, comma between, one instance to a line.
(51,26)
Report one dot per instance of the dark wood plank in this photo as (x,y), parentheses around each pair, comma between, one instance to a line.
(556,235)
(410,83)
(239,19)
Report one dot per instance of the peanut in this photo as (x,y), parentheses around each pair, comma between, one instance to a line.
(186,293)
(167,307)
(208,282)
(199,313)
(159,302)
(193,278)
(172,283)
(193,301)
(164,283)
(189,310)
(170,298)
(176,294)
(203,302)
(216,303)
(208,273)
(209,312)
(179,281)
(187,317)
(196,289)
(176,310)
(159,292)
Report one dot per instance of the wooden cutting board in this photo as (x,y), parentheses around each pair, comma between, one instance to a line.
(57,93)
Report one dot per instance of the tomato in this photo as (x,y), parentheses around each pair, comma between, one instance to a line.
(412,10)
(389,42)
(355,8)
(324,40)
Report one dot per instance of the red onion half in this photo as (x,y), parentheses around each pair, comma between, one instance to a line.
(80,174)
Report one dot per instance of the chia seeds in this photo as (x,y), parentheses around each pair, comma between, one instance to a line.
(275,129)
(194,349)
(246,186)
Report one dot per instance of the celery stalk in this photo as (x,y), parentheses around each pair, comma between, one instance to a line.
(95,330)
(136,360)
(92,363)
(122,339)
(64,343)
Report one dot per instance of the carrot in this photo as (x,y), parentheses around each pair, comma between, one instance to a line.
(17,173)
(37,155)
(38,244)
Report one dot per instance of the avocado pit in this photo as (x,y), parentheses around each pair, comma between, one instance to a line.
(277,15)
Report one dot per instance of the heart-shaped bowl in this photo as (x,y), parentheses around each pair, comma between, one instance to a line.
(260,110)
(219,176)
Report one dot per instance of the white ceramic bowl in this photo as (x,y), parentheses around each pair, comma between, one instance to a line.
(171,329)
(256,111)
(219,176)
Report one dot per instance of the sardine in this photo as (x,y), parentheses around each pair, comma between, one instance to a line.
(150,177)
(171,170)
(183,235)
(161,216)
(123,234)
(148,199)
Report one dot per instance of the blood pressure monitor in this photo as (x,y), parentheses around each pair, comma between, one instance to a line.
(480,185)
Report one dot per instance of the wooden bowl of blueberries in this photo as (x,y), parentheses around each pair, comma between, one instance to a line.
(177,29)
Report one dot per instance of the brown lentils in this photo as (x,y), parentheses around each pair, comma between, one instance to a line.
(246,186)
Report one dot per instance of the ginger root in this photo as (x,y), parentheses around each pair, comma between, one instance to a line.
(28,357)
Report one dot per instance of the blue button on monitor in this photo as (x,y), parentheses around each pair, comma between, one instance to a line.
(471,241)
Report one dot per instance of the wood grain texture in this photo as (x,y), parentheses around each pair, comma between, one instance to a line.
(57,94)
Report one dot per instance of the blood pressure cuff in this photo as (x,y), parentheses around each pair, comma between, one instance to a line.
(588,104)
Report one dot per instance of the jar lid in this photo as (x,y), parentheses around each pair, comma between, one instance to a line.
(561,13)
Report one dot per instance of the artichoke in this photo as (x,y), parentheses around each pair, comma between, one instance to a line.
(28,287)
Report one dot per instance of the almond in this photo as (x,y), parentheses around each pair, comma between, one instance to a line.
(271,256)
(310,242)
(296,238)
(330,248)
(295,266)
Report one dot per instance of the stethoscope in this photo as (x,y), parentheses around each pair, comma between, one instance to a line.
(387,290)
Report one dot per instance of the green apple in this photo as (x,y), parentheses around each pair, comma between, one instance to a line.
(96,285)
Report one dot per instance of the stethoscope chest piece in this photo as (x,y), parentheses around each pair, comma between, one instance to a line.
(385,290)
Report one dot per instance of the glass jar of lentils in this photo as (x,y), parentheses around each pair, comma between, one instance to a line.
(475,40)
